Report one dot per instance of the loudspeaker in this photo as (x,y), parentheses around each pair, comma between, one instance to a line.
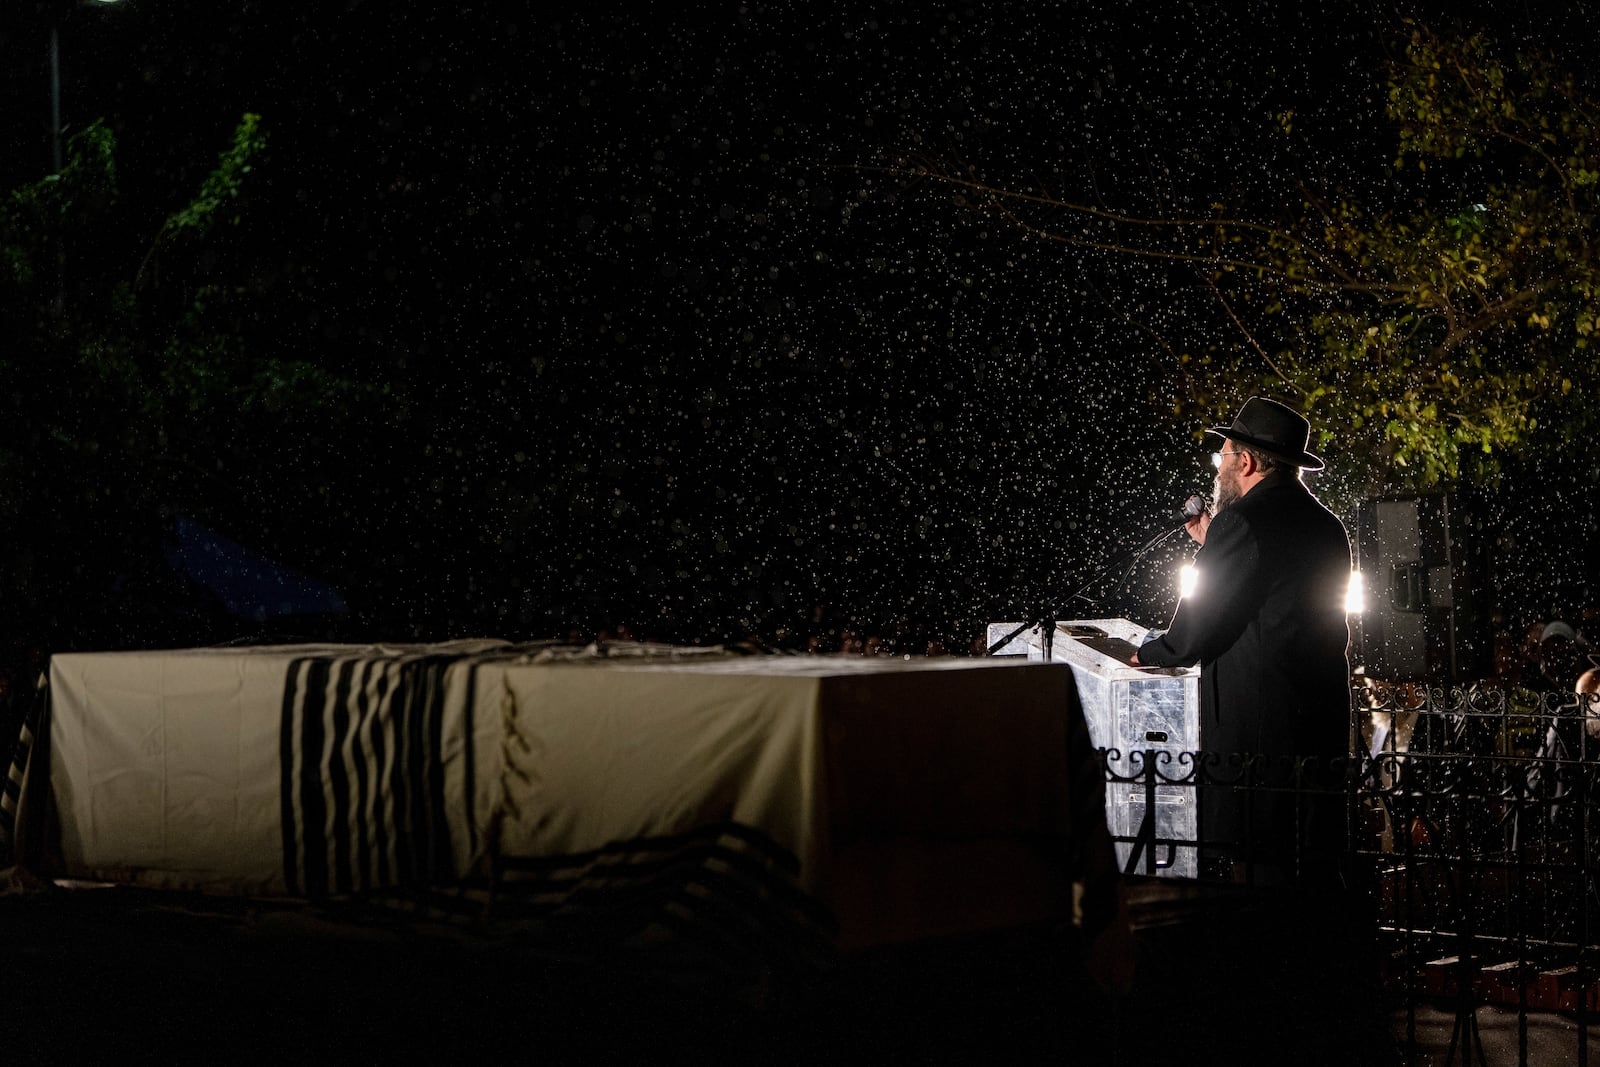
(1425,574)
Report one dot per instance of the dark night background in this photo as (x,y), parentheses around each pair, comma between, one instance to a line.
(645,329)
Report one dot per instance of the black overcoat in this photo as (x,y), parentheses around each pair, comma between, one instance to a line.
(1266,623)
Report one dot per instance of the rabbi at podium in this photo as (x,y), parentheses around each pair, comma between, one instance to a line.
(1266,623)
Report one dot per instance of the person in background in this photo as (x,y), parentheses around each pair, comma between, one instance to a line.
(1557,660)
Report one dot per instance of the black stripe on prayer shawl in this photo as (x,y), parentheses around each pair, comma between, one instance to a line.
(369,814)
(469,784)
(11,792)
(31,751)
(304,837)
(361,748)
(382,815)
(360,867)
(399,785)
(726,889)
(287,777)
(338,784)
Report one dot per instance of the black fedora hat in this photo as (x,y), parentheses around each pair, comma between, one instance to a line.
(1280,432)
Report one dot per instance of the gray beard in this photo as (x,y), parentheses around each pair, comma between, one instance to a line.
(1223,494)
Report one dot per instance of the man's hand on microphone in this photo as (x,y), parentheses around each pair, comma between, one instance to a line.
(1197,517)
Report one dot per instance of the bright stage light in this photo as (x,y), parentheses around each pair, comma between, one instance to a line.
(1355,598)
(1188,579)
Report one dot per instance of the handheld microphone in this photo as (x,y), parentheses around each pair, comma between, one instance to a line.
(1193,508)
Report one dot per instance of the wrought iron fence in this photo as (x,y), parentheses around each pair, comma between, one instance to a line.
(1470,812)
(1475,811)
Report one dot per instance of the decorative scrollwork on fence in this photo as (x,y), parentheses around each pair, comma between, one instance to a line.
(1448,794)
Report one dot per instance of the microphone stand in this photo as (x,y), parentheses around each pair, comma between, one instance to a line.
(1047,626)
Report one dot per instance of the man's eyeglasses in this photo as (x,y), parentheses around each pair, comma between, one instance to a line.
(1216,457)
